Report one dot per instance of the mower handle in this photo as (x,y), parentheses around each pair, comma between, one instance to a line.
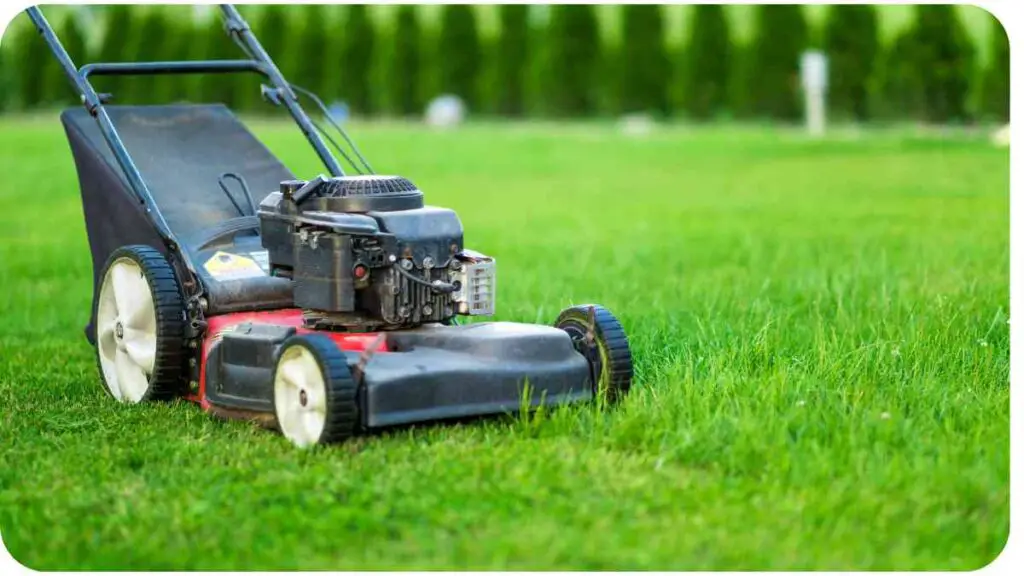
(185,67)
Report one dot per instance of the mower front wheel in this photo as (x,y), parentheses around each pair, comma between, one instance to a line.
(314,392)
(599,336)
(140,326)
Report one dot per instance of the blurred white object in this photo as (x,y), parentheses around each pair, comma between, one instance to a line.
(446,111)
(814,79)
(1001,137)
(636,124)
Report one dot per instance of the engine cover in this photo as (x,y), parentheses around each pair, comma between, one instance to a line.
(365,252)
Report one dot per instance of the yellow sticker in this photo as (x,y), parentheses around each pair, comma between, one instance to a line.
(226,266)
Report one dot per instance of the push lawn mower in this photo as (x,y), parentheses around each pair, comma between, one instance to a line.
(329,307)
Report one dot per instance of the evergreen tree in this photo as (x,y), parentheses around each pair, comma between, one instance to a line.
(118,25)
(406,63)
(58,89)
(902,92)
(148,43)
(645,67)
(708,62)
(183,42)
(996,82)
(309,64)
(5,80)
(947,62)
(459,53)
(216,45)
(575,51)
(245,85)
(357,46)
(780,37)
(31,61)
(851,43)
(741,95)
(272,26)
(512,56)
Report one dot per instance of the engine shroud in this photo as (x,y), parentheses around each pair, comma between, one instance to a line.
(364,252)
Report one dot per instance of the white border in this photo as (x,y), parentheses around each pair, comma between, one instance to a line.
(1007,11)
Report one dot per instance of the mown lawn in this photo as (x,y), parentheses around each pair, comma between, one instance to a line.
(821,338)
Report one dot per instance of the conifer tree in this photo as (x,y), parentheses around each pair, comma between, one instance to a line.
(356,60)
(644,66)
(852,46)
(309,58)
(512,56)
(574,53)
(216,45)
(406,62)
(901,92)
(58,89)
(147,43)
(780,37)
(31,60)
(459,53)
(118,25)
(5,81)
(708,62)
(947,62)
(996,83)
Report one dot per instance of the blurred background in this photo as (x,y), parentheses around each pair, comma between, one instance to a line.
(935,64)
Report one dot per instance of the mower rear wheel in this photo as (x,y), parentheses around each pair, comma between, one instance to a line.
(602,340)
(314,392)
(140,326)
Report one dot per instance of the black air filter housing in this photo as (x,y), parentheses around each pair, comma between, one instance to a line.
(371,193)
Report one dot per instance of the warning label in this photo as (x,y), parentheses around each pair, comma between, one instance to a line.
(227,266)
(263,259)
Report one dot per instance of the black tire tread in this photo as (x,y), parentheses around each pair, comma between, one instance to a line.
(342,418)
(610,333)
(167,382)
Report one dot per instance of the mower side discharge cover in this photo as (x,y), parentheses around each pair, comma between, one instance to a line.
(438,372)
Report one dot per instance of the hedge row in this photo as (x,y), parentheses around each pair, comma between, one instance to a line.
(542,61)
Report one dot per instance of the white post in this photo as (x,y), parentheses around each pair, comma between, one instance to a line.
(814,79)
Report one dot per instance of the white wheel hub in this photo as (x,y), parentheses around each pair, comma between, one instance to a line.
(126,330)
(300,396)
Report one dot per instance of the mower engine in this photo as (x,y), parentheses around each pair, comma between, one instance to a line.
(365,253)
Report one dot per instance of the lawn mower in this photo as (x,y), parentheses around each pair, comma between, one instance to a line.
(329,307)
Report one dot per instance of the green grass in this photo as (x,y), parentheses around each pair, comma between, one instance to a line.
(822,348)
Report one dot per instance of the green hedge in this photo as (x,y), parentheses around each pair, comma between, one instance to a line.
(558,60)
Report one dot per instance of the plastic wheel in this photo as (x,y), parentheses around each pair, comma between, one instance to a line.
(314,392)
(607,349)
(140,325)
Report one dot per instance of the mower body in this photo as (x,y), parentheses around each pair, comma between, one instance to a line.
(324,305)
(408,374)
